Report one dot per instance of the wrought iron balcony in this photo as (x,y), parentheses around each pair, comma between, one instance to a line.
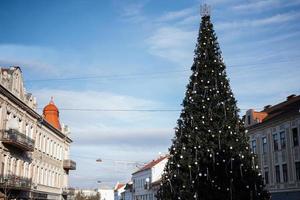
(17,139)
(69,165)
(15,182)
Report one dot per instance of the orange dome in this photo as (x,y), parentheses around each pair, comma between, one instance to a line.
(51,114)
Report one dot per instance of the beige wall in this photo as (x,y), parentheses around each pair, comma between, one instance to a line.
(287,154)
(45,164)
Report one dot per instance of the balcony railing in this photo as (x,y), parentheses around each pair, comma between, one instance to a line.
(17,139)
(69,165)
(15,182)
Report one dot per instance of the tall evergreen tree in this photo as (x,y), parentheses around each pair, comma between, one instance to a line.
(210,158)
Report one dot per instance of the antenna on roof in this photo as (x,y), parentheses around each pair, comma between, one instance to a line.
(205,10)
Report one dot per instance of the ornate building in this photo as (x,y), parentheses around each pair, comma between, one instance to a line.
(34,148)
(274,138)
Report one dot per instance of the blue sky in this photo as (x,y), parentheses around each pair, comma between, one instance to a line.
(137,55)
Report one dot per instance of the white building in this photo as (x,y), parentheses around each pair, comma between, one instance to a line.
(146,179)
(128,192)
(118,189)
(34,148)
(106,194)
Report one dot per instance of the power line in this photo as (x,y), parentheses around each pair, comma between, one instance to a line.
(107,159)
(116,110)
(149,74)
(109,76)
(128,110)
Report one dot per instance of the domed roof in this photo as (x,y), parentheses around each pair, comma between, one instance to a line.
(50,107)
(51,114)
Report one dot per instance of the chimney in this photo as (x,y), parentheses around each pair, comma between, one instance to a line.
(290,97)
(267,106)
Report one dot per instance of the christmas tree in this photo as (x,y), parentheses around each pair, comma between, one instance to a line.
(210,158)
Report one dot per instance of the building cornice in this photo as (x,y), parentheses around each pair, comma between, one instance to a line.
(279,119)
(32,112)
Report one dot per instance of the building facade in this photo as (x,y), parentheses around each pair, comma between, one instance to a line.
(128,192)
(146,179)
(106,193)
(274,138)
(118,189)
(34,148)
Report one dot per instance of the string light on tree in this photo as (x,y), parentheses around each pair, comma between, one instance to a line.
(210,155)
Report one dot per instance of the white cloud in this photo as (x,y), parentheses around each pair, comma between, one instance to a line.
(94,128)
(259,5)
(133,11)
(29,57)
(275,19)
(254,5)
(175,15)
(118,162)
(172,43)
(111,136)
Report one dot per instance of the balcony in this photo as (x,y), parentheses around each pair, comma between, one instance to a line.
(69,165)
(15,138)
(15,182)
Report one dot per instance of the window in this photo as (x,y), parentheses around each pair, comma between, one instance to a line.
(285,173)
(297,171)
(266,175)
(282,140)
(277,174)
(27,127)
(275,141)
(264,143)
(20,126)
(44,144)
(295,137)
(249,119)
(2,168)
(253,146)
(41,141)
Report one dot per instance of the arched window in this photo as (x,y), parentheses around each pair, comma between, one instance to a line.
(37,141)
(13,166)
(57,151)
(45,177)
(61,153)
(44,144)
(50,149)
(41,141)
(21,125)
(38,177)
(31,132)
(42,176)
(54,149)
(59,181)
(18,170)
(32,172)
(27,130)
(8,171)
(5,168)
(53,146)
(47,146)
(25,170)
(30,168)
